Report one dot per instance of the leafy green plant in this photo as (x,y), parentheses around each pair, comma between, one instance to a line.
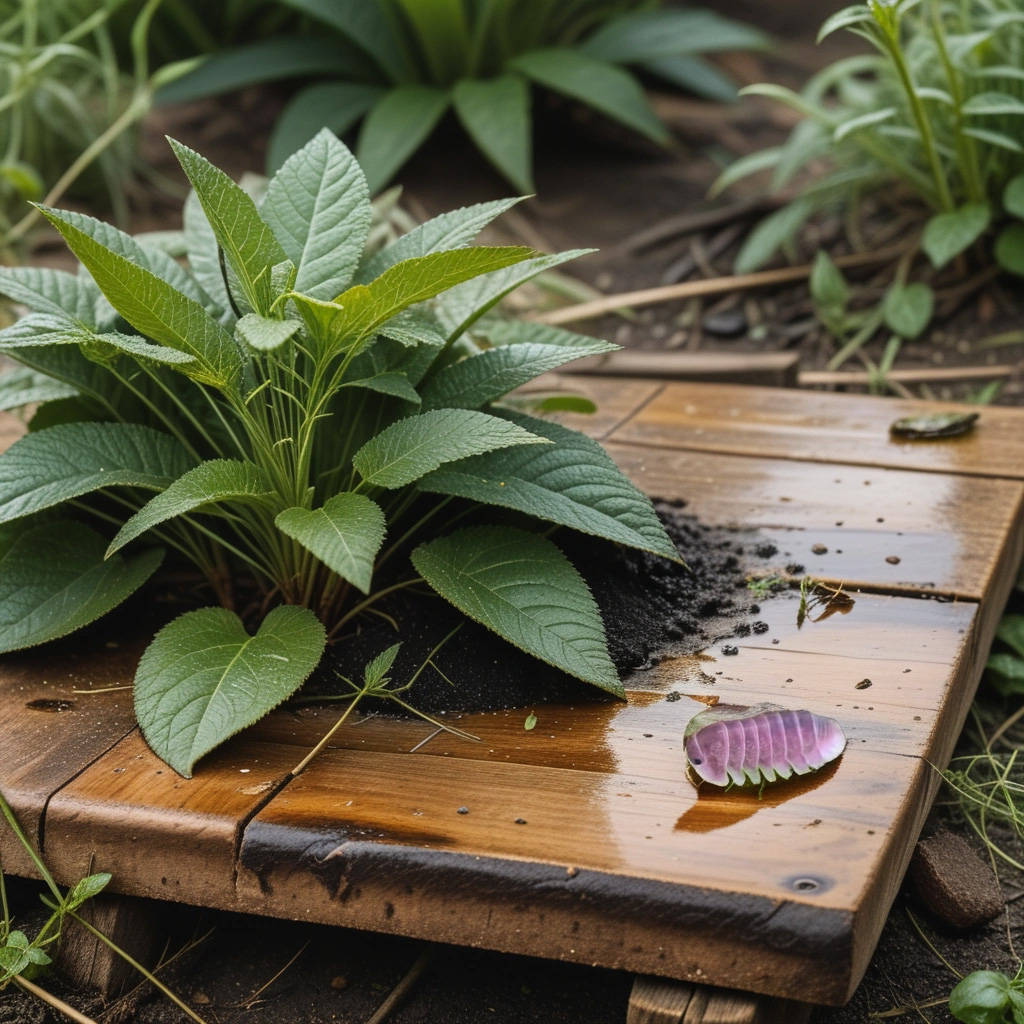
(21,957)
(935,112)
(67,111)
(272,415)
(401,64)
(988,997)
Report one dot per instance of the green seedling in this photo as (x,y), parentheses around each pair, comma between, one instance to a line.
(988,997)
(303,422)
(400,65)
(764,586)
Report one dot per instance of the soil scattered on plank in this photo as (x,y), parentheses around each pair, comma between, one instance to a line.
(649,605)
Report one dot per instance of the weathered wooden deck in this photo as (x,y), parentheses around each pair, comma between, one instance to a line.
(584,840)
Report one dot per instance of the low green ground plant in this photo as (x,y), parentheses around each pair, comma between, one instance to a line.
(400,65)
(932,114)
(296,417)
(988,997)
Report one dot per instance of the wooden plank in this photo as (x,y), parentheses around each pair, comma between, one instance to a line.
(770,369)
(51,731)
(616,400)
(160,835)
(868,527)
(657,1001)
(818,427)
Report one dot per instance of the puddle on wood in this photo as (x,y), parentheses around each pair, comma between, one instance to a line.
(52,706)
(718,808)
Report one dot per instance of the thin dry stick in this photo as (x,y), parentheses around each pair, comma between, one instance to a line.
(714,286)
(399,991)
(251,1001)
(911,375)
(58,1004)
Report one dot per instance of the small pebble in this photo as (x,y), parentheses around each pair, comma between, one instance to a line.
(338,982)
(820,549)
(673,696)
(462,810)
(729,323)
(863,684)
(729,649)
(520,821)
(760,627)
(893,559)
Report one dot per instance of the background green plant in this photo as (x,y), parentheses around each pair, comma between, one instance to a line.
(935,111)
(283,405)
(66,109)
(400,65)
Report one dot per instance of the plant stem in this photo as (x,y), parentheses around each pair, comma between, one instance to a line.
(325,739)
(51,1000)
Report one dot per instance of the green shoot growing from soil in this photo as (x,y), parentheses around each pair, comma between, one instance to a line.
(399,65)
(934,114)
(21,958)
(988,997)
(299,419)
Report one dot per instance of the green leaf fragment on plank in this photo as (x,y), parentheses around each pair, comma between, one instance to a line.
(204,678)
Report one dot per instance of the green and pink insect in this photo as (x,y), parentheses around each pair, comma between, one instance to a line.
(732,745)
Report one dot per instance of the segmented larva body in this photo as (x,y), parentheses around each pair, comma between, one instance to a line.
(728,744)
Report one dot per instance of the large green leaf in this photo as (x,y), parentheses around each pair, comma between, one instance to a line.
(45,468)
(319,208)
(24,386)
(54,580)
(603,86)
(465,304)
(496,114)
(333,105)
(204,678)
(357,313)
(572,482)
(54,292)
(389,383)
(263,334)
(204,257)
(345,534)
(450,230)
(209,483)
(248,243)
(152,306)
(409,448)
(394,129)
(477,380)
(365,24)
(646,35)
(522,587)
(695,75)
(947,234)
(266,61)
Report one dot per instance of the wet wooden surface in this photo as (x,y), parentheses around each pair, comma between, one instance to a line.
(583,839)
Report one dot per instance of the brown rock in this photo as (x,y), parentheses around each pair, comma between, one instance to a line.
(953,883)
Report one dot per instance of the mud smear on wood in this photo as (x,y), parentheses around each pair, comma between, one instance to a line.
(650,606)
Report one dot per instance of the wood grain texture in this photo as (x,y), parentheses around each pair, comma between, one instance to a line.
(617,399)
(813,426)
(864,526)
(51,731)
(769,369)
(657,1001)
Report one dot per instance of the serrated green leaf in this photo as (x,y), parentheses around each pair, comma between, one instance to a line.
(496,114)
(908,308)
(345,535)
(216,482)
(600,85)
(152,306)
(409,448)
(479,379)
(247,241)
(204,678)
(54,292)
(333,105)
(523,588)
(54,580)
(264,334)
(354,316)
(318,206)
(572,482)
(21,387)
(451,230)
(414,327)
(463,305)
(204,257)
(389,383)
(46,468)
(1009,249)
(394,129)
(948,234)
(376,670)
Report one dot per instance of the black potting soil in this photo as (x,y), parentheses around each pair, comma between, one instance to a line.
(648,604)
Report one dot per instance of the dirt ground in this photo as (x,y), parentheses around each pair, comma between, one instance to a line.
(597,187)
